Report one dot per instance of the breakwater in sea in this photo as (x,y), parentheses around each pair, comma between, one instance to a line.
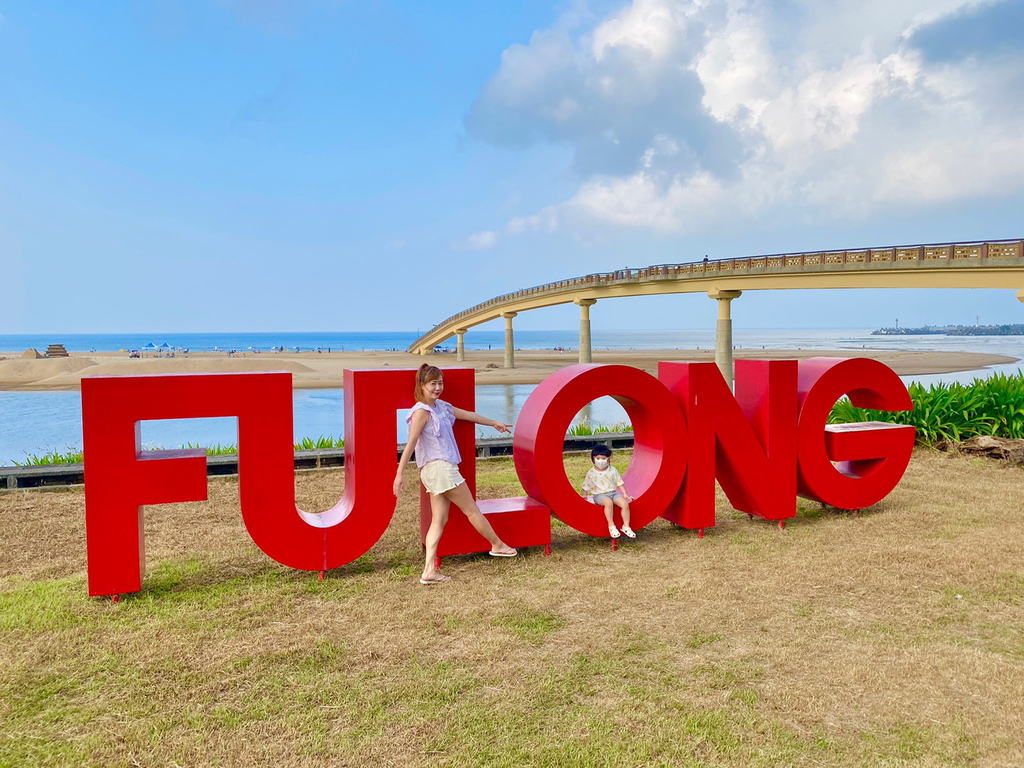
(954,330)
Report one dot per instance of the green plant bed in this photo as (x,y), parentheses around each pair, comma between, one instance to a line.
(70,456)
(993,406)
(584,429)
(75,456)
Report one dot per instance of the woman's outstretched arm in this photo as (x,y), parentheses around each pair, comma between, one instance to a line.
(416,425)
(476,418)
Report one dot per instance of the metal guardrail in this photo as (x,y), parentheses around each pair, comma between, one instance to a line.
(56,475)
(899,257)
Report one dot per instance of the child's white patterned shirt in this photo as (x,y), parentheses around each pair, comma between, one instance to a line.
(601,481)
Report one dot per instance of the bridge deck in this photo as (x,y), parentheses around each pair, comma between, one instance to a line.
(989,264)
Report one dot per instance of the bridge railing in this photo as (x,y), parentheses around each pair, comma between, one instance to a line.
(861,257)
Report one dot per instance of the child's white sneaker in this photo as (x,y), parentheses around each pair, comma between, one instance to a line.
(628,531)
(613,531)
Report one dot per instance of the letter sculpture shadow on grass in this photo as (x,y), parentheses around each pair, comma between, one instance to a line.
(120,478)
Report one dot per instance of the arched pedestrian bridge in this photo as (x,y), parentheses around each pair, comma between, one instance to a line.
(990,264)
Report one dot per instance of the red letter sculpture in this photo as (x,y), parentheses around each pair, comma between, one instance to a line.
(768,443)
(120,478)
(518,521)
(870,457)
(747,442)
(659,453)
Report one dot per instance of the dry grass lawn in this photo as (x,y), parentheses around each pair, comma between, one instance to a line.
(893,638)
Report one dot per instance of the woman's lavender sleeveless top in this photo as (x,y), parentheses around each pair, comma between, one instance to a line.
(437,441)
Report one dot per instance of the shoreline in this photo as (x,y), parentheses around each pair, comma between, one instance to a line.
(312,370)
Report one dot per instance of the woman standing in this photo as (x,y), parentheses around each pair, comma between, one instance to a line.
(437,456)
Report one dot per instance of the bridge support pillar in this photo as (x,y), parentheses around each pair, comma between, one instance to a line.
(460,344)
(723,332)
(510,342)
(585,305)
(1020,295)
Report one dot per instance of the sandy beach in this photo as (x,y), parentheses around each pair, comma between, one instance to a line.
(311,370)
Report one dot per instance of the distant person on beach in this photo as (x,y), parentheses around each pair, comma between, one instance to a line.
(603,484)
(437,457)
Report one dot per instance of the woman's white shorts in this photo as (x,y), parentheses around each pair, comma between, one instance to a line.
(440,476)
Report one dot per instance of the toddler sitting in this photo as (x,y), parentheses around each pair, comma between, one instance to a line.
(603,484)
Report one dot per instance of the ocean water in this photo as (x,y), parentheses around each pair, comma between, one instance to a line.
(207,342)
(567,339)
(36,422)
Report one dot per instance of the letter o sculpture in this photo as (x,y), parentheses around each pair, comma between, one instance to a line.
(660,451)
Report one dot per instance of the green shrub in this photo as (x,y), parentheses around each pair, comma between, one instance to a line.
(993,406)
(75,456)
(70,456)
(321,443)
(583,429)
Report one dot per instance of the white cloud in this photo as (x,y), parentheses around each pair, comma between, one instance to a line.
(823,111)
(482,241)
(637,201)
(683,114)
(610,93)
(737,69)
(948,169)
(651,26)
(932,11)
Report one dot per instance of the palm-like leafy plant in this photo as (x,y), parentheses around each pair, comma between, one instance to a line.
(993,406)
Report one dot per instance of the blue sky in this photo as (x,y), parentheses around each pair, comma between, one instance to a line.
(263,165)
